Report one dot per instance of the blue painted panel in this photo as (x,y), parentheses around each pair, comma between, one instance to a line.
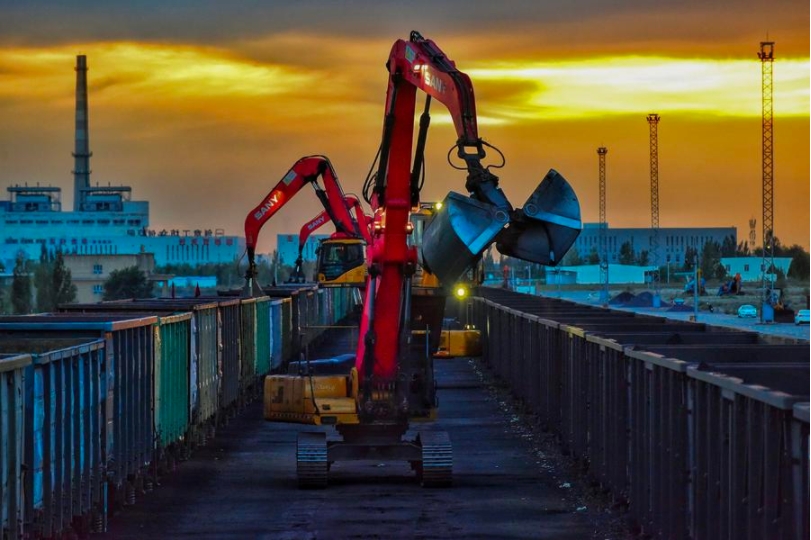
(12,387)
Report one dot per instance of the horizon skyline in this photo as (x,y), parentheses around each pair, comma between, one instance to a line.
(188,114)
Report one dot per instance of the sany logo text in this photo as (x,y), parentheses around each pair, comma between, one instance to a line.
(313,224)
(269,203)
(434,82)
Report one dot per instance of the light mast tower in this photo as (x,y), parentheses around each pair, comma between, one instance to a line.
(601,152)
(766,56)
(653,121)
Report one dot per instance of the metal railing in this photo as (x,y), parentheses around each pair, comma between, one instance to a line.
(698,432)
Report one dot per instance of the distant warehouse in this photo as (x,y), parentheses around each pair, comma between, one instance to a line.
(673,241)
(589,274)
(750,268)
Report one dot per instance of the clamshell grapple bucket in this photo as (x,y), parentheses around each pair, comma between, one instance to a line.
(547,226)
(457,235)
(540,232)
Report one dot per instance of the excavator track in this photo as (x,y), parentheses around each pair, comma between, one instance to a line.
(437,459)
(311,460)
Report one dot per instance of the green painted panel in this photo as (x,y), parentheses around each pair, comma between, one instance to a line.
(262,335)
(172,340)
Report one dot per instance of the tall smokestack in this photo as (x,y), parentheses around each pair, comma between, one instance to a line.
(81,155)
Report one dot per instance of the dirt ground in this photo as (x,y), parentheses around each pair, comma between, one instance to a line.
(795,294)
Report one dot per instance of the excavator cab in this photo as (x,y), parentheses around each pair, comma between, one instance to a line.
(419,220)
(341,263)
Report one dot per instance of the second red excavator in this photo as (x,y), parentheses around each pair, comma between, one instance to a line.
(344,267)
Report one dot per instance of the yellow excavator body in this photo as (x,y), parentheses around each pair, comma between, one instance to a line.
(342,263)
(317,400)
(454,343)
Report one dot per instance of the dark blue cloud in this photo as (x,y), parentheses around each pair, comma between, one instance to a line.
(212,22)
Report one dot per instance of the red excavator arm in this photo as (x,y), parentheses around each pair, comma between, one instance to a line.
(363,221)
(457,235)
(392,378)
(305,171)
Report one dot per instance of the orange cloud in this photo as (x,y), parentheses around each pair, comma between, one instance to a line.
(203,132)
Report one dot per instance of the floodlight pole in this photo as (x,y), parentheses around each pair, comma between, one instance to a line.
(695,288)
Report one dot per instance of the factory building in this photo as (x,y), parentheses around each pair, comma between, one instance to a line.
(89,272)
(287,246)
(104,220)
(589,274)
(673,241)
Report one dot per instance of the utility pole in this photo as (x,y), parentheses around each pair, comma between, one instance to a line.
(695,287)
(653,121)
(766,56)
(601,152)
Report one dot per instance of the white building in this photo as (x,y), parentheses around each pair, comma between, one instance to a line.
(589,274)
(189,282)
(750,267)
(89,272)
(108,224)
(287,246)
(673,241)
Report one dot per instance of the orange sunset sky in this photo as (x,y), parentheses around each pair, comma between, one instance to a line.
(202,106)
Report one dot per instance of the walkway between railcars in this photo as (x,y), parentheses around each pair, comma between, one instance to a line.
(243,484)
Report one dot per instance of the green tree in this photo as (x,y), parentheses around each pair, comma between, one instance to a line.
(728,247)
(53,282)
(593,257)
(2,290)
(778,249)
(128,282)
(689,258)
(626,253)
(21,286)
(264,271)
(64,290)
(572,258)
(799,268)
(742,250)
(644,258)
(711,266)
(42,282)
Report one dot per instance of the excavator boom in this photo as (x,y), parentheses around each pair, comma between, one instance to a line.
(360,218)
(391,380)
(465,226)
(307,170)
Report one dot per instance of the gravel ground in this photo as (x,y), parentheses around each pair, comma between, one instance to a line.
(784,330)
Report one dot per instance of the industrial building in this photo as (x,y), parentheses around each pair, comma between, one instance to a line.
(589,274)
(104,219)
(751,268)
(89,272)
(287,246)
(673,241)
